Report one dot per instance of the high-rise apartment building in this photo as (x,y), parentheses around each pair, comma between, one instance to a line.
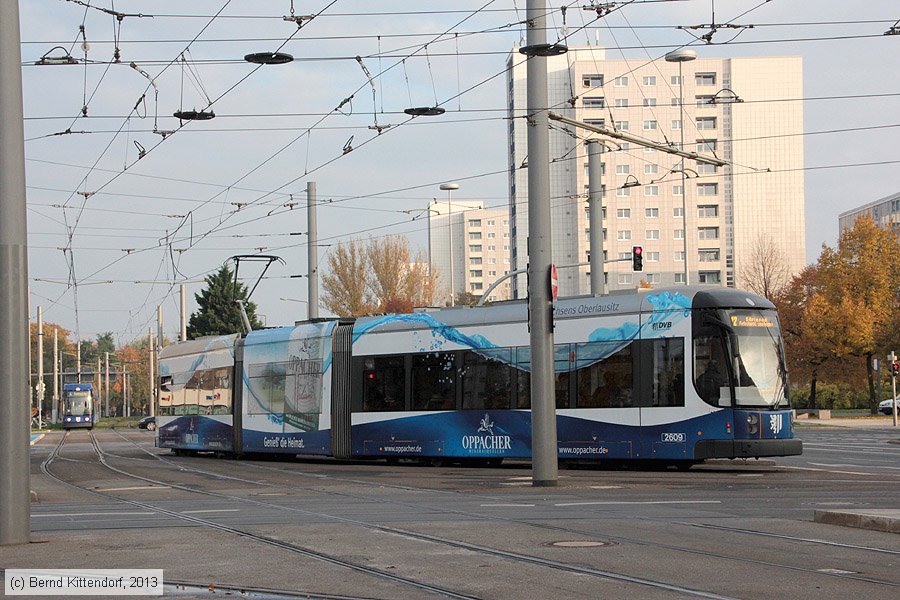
(746,111)
(481,247)
(885,213)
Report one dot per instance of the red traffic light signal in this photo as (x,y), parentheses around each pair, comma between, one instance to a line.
(637,258)
(895,369)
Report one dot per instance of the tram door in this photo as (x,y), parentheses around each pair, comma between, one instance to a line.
(661,383)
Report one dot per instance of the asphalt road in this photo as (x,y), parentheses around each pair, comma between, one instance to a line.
(721,530)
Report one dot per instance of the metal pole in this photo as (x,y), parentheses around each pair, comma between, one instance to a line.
(183,336)
(450,240)
(891,360)
(15,465)
(40,366)
(312,252)
(152,371)
(99,384)
(684,207)
(126,401)
(106,387)
(55,409)
(595,215)
(78,360)
(159,327)
(544,450)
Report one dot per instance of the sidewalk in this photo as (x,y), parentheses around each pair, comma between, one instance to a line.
(879,422)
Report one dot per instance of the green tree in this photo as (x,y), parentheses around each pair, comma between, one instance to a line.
(218,313)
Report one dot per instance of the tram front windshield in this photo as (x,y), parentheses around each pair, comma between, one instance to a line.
(756,369)
(78,403)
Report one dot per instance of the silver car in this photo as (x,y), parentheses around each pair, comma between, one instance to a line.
(886,407)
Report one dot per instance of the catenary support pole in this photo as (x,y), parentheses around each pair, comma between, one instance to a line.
(55,410)
(151,346)
(544,451)
(106,384)
(78,360)
(15,465)
(312,252)
(183,335)
(39,385)
(160,337)
(595,215)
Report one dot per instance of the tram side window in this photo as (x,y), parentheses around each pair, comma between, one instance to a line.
(164,406)
(666,370)
(383,383)
(433,381)
(485,379)
(710,367)
(605,375)
(562,375)
(266,383)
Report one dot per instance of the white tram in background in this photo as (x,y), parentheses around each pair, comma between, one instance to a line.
(677,375)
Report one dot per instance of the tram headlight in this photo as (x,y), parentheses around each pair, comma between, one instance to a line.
(753,423)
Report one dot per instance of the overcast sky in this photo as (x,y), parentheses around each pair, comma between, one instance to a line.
(213,189)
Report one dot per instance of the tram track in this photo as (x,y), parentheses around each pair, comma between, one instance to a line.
(500,519)
(269,541)
(475,548)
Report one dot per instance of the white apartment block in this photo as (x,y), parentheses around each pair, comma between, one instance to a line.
(481,248)
(758,194)
(885,213)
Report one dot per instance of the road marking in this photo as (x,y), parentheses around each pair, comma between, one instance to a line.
(137,487)
(605,487)
(641,502)
(824,470)
(92,514)
(508,505)
(211,510)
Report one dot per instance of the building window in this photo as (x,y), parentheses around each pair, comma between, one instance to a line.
(491,235)
(476,287)
(624,146)
(622,125)
(592,80)
(651,169)
(675,102)
(506,247)
(705,79)
(506,235)
(706,145)
(705,100)
(475,273)
(474,235)
(492,248)
(679,257)
(708,233)
(596,122)
(678,234)
(624,255)
(474,222)
(651,256)
(651,190)
(676,124)
(623,234)
(621,102)
(623,192)
(706,122)
(709,254)
(679,277)
(649,102)
(505,222)
(492,261)
(677,190)
(623,213)
(707,168)
(475,260)
(474,247)
(707,210)
(649,150)
(707,189)
(623,169)
(620,81)
(649,125)
(678,212)
(492,222)
(595,102)
(651,277)
(676,80)
(625,278)
(710,277)
(651,234)
(649,80)
(651,213)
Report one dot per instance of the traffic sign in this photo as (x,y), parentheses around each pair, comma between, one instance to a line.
(554,283)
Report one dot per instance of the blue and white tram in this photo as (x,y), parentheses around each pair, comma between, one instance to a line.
(78,406)
(675,375)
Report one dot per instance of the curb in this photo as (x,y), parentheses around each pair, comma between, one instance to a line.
(39,437)
(876,520)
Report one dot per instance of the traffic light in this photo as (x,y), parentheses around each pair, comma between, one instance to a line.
(895,369)
(637,258)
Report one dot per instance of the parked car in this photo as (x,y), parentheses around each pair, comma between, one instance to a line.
(886,407)
(148,423)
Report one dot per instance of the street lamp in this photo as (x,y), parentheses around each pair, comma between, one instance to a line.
(418,212)
(680,56)
(450,187)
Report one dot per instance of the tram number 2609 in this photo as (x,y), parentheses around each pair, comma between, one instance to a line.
(672,437)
